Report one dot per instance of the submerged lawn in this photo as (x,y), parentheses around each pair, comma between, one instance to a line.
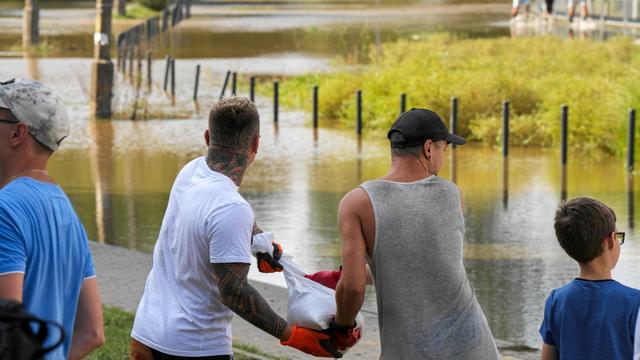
(597,80)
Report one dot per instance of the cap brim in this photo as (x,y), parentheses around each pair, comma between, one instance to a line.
(455,139)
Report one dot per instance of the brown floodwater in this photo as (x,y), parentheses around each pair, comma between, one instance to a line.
(118,173)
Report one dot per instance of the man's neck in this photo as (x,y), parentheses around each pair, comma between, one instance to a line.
(228,162)
(407,169)
(35,169)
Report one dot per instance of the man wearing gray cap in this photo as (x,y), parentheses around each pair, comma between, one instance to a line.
(409,226)
(45,262)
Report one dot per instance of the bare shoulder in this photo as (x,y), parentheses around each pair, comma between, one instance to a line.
(355,201)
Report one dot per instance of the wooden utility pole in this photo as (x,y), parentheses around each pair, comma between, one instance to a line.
(120,6)
(30,20)
(102,67)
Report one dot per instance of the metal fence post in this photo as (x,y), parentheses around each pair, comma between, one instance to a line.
(195,87)
(315,107)
(276,99)
(505,128)
(359,112)
(564,134)
(632,140)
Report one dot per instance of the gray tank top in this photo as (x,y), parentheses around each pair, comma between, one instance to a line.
(426,306)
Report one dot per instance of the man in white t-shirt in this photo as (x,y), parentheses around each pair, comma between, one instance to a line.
(203,254)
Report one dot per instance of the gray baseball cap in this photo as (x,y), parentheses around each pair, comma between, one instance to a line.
(37,106)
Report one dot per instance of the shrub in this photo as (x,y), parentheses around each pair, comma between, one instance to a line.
(537,76)
(154,4)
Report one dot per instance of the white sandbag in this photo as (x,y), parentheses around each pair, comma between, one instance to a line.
(311,305)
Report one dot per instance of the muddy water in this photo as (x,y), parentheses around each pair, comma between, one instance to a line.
(118,173)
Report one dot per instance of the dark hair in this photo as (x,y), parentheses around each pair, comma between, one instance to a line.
(233,123)
(581,224)
(413,151)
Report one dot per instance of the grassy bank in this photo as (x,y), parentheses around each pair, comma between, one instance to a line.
(537,75)
(117,328)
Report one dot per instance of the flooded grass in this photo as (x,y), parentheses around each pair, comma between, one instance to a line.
(537,75)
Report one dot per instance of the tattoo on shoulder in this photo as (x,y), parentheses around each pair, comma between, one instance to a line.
(244,300)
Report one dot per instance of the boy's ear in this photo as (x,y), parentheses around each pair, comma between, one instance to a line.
(608,241)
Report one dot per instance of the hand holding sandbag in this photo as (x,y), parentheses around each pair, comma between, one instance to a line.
(343,337)
(312,342)
(267,252)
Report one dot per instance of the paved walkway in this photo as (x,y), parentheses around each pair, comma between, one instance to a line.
(122,274)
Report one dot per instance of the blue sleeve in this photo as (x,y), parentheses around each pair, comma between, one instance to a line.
(545,328)
(13,253)
(89,269)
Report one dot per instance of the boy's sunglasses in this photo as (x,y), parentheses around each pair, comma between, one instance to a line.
(9,121)
(619,236)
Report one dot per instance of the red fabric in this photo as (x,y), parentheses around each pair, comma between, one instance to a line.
(327,278)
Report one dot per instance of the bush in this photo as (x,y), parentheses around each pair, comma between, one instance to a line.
(537,76)
(156,5)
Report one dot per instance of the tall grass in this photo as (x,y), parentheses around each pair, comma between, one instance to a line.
(599,82)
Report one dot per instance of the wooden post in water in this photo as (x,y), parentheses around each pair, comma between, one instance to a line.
(120,6)
(403,103)
(505,128)
(234,83)
(166,72)
(454,116)
(276,100)
(102,67)
(359,112)
(632,140)
(224,84)
(195,86)
(30,23)
(315,107)
(252,89)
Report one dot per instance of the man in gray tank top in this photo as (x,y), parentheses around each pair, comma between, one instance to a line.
(408,225)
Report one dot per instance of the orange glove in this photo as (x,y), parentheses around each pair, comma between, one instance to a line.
(268,263)
(312,342)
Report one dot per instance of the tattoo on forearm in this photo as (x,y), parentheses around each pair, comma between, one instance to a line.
(256,229)
(231,163)
(244,300)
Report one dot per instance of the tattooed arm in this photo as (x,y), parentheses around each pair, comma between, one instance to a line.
(239,296)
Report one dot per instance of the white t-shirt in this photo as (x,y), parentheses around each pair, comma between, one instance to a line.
(207,221)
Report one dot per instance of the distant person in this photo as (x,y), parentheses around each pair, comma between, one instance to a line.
(571,6)
(592,316)
(203,254)
(516,6)
(409,226)
(549,8)
(45,262)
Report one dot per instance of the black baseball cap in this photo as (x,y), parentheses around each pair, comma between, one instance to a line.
(419,125)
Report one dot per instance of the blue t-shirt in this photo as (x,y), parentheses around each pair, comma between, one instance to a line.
(591,319)
(42,237)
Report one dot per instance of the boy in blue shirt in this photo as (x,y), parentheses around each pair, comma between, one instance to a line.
(592,316)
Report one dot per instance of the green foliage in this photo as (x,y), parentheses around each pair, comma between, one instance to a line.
(137,11)
(156,5)
(537,75)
